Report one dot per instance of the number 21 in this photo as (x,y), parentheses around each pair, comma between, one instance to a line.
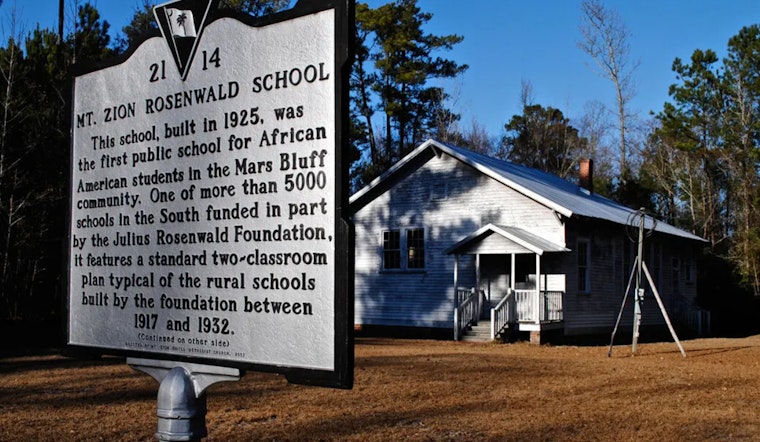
(158,71)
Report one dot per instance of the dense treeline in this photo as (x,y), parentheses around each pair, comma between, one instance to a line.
(35,117)
(34,158)
(694,164)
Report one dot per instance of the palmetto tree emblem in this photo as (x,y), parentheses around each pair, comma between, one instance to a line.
(181,23)
(182,20)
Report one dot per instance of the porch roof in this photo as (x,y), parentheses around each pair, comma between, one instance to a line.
(495,239)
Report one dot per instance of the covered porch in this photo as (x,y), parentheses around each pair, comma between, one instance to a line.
(513,288)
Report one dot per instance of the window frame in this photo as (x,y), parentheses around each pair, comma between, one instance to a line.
(385,241)
(654,263)
(411,253)
(675,275)
(689,267)
(439,191)
(584,276)
(418,257)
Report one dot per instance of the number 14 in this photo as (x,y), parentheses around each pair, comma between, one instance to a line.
(213,60)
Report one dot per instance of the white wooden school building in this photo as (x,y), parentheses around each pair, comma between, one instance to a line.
(452,239)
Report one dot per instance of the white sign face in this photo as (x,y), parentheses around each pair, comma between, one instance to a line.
(204,210)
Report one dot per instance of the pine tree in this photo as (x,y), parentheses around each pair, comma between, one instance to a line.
(395,64)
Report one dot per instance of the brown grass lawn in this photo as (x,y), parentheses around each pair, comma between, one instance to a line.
(420,391)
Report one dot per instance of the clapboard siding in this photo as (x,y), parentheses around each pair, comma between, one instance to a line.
(469,201)
(612,258)
(596,309)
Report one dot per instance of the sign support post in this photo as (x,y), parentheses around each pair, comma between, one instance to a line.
(181,404)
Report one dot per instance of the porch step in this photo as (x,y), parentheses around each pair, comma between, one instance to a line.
(478,333)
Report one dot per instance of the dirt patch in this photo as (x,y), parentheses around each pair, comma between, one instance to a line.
(420,391)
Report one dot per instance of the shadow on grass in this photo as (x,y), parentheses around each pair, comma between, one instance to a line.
(50,360)
(702,352)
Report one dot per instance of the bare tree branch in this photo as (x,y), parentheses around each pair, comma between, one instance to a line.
(605,40)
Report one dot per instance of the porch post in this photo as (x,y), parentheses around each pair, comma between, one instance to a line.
(479,304)
(512,273)
(477,273)
(537,300)
(456,280)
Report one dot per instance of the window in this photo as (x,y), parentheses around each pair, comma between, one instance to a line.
(676,276)
(654,263)
(689,270)
(438,191)
(629,251)
(392,249)
(413,246)
(584,271)
(415,243)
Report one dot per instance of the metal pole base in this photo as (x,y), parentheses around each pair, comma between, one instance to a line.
(181,415)
(181,404)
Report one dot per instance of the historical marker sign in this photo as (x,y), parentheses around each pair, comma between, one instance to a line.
(207,190)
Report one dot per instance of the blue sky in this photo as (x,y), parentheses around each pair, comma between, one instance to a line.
(509,41)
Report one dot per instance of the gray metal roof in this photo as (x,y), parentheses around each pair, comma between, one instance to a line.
(560,195)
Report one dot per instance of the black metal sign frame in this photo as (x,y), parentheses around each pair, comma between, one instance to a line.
(342,374)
